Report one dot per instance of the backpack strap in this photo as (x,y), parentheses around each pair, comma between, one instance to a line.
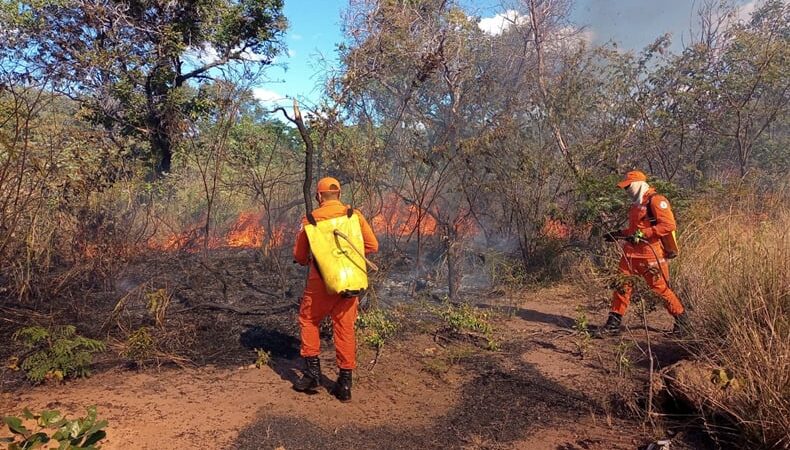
(651,214)
(311,219)
(350,211)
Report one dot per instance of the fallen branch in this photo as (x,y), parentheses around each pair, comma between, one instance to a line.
(259,290)
(234,309)
(376,358)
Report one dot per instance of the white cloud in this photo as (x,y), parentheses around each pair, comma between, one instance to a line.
(744,13)
(252,56)
(572,36)
(205,54)
(269,97)
(501,22)
(291,53)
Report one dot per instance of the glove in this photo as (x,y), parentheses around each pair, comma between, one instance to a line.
(637,237)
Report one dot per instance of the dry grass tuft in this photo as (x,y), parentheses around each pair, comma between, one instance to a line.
(734,271)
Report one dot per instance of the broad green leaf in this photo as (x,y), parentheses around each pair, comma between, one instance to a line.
(48,418)
(15,425)
(94,438)
(37,440)
(70,429)
(59,435)
(28,415)
(96,427)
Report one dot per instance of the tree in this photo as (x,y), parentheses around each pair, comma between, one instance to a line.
(134,64)
(416,72)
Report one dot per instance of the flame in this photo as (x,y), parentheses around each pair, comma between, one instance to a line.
(399,219)
(90,251)
(556,229)
(246,232)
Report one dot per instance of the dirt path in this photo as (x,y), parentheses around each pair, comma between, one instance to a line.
(536,393)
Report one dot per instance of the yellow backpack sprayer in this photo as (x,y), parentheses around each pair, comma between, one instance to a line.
(338,251)
(669,242)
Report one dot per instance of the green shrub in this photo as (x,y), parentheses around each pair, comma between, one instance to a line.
(467,318)
(81,433)
(57,352)
(139,346)
(504,270)
(376,326)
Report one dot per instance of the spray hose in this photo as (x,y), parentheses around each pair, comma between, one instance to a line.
(655,255)
(658,261)
(370,263)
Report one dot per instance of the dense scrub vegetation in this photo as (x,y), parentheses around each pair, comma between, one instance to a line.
(119,136)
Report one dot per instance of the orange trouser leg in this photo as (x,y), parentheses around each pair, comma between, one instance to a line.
(658,284)
(344,316)
(316,304)
(621,297)
(639,266)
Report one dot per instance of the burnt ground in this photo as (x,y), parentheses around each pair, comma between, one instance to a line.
(546,387)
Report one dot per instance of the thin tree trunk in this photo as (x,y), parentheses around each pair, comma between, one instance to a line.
(308,158)
(556,131)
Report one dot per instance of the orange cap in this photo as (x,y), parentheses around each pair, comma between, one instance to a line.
(630,177)
(327,184)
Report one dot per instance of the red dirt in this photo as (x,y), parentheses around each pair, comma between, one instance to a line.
(537,392)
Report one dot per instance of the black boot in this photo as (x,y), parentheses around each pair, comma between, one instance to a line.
(342,389)
(312,376)
(681,326)
(612,325)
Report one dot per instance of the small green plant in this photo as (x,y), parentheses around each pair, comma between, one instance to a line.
(436,366)
(157,303)
(139,346)
(57,352)
(624,363)
(263,359)
(583,336)
(503,270)
(81,433)
(376,326)
(492,344)
(467,318)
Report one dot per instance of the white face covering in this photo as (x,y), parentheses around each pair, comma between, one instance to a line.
(637,190)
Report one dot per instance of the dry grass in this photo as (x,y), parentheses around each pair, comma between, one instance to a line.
(734,271)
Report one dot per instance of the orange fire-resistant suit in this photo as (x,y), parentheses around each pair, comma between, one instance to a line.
(317,303)
(638,259)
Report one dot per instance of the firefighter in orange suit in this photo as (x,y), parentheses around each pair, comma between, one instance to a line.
(317,303)
(650,219)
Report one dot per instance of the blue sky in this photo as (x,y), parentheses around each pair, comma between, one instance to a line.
(315,30)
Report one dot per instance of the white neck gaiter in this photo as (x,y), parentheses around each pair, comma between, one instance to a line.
(637,191)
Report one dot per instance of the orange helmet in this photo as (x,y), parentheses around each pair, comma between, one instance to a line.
(327,184)
(630,177)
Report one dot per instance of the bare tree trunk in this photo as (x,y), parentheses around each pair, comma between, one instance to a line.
(454,271)
(537,16)
(308,158)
